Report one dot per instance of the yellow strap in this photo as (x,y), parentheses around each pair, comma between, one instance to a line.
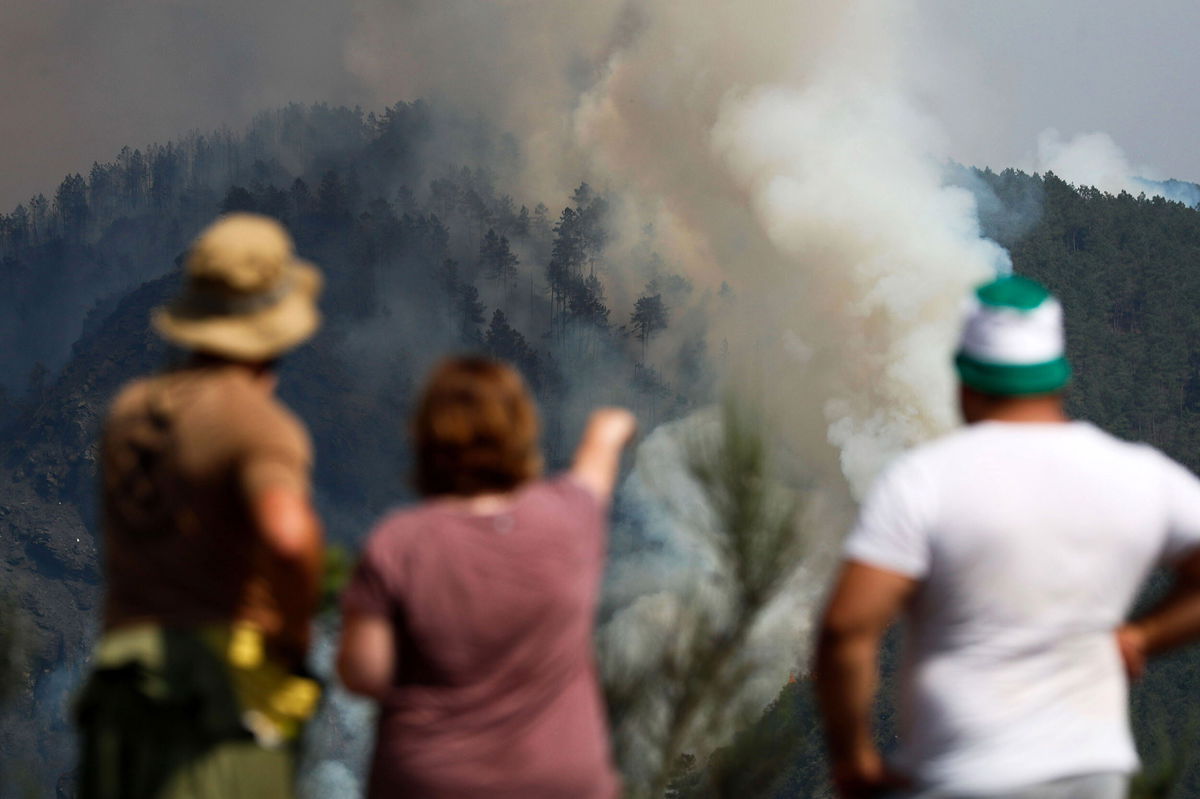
(274,702)
(266,691)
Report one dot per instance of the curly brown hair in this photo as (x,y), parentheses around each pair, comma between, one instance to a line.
(475,430)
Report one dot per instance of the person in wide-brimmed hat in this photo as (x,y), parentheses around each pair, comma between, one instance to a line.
(1014,549)
(247,296)
(212,547)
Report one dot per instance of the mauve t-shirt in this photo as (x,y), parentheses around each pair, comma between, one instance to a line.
(496,692)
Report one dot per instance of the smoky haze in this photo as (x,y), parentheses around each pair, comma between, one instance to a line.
(785,152)
(780,149)
(82,79)
(783,149)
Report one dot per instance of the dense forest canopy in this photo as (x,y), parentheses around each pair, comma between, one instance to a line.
(422,256)
(425,252)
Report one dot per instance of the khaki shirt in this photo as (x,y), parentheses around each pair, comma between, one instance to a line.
(183,454)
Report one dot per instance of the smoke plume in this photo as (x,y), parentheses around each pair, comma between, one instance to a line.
(1088,159)
(1094,159)
(777,148)
(774,147)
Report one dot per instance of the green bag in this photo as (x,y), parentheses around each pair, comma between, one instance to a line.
(161,718)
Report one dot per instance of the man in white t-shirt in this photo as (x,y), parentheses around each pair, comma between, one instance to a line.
(1013,549)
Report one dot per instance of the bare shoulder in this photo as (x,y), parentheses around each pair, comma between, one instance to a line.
(129,397)
(257,415)
(125,410)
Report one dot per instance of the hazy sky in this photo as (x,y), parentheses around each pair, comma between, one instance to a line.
(1080,66)
(84,77)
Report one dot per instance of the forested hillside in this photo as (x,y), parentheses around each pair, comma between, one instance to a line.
(426,250)
(423,254)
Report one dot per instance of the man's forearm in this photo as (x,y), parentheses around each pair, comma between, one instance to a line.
(864,601)
(847,677)
(297,590)
(293,551)
(1173,622)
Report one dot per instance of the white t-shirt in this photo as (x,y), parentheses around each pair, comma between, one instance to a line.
(1030,542)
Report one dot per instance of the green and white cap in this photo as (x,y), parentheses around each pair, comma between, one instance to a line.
(1012,339)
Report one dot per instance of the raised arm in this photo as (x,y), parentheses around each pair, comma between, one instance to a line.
(1173,622)
(599,454)
(864,602)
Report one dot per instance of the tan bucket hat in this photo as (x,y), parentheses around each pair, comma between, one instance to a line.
(247,296)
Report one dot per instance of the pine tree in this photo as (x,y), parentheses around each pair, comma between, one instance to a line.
(332,201)
(649,317)
(238,198)
(506,343)
(470,311)
(71,206)
(522,223)
(497,260)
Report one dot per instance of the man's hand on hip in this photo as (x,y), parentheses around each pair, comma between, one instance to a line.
(865,776)
(1131,643)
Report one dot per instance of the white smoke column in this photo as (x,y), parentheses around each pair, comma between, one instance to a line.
(845,192)
(1087,159)
(816,191)
(1094,159)
(774,146)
